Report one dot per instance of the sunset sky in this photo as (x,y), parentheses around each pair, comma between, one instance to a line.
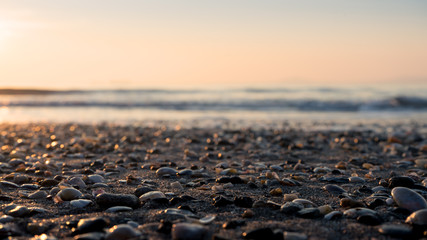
(126,44)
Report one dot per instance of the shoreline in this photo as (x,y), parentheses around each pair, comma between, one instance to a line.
(227,181)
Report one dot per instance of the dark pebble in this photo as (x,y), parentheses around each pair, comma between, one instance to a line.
(233,224)
(260,233)
(165,227)
(244,202)
(221,201)
(309,213)
(233,180)
(111,200)
(369,219)
(91,225)
(401,181)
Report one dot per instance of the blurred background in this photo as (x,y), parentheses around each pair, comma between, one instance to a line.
(129,61)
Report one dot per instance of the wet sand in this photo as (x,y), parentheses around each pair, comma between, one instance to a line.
(226,182)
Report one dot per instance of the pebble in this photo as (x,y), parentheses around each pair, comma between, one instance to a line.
(177,186)
(244,202)
(122,232)
(18,211)
(309,213)
(248,213)
(356,180)
(289,197)
(179,212)
(369,219)
(188,231)
(291,207)
(110,200)
(77,182)
(325,209)
(95,178)
(350,203)
(259,233)
(221,201)
(166,171)
(418,218)
(334,190)
(304,202)
(409,199)
(151,195)
(119,209)
(141,190)
(401,181)
(80,203)
(38,195)
(69,194)
(91,225)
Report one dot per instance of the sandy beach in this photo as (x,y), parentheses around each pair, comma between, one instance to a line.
(105,181)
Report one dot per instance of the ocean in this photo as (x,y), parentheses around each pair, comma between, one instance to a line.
(255,104)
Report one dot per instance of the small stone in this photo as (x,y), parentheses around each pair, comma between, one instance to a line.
(309,213)
(221,201)
(291,207)
(276,192)
(38,195)
(6,219)
(245,202)
(95,178)
(90,236)
(80,203)
(401,181)
(305,202)
(356,180)
(177,186)
(166,171)
(119,209)
(122,232)
(91,225)
(418,218)
(111,200)
(294,236)
(325,209)
(78,182)
(69,194)
(259,233)
(289,197)
(151,195)
(188,231)
(8,184)
(350,203)
(334,190)
(369,219)
(18,211)
(409,199)
(233,224)
(248,213)
(49,183)
(233,180)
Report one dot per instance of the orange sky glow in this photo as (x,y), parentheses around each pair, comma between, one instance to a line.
(126,44)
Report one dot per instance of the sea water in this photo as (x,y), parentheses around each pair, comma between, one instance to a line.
(276,104)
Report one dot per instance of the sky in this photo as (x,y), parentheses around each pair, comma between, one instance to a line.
(165,44)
